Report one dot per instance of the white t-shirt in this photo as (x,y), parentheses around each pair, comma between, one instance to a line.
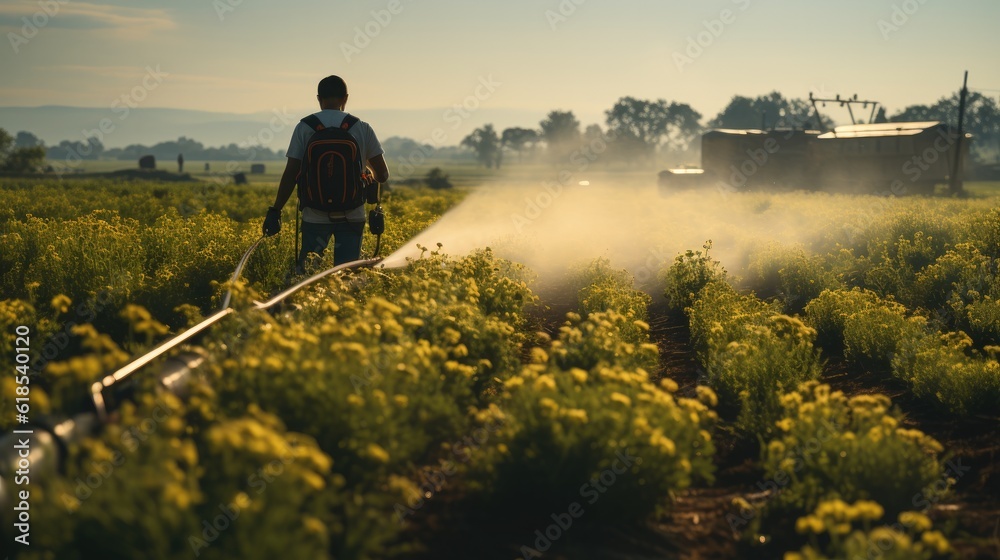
(367,143)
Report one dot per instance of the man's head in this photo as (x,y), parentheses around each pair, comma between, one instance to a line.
(332,93)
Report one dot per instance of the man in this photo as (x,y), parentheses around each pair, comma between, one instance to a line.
(318,226)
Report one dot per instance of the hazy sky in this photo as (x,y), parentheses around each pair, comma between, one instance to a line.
(250,55)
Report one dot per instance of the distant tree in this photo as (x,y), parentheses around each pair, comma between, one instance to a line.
(561,133)
(518,139)
(645,121)
(645,125)
(685,126)
(592,132)
(6,143)
(485,142)
(25,159)
(436,179)
(19,159)
(73,150)
(880,116)
(26,139)
(771,110)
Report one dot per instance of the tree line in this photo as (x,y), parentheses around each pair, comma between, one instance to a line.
(70,151)
(641,129)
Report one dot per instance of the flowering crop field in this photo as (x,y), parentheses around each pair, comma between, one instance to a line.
(832,400)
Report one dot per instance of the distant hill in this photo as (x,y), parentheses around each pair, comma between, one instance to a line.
(149,126)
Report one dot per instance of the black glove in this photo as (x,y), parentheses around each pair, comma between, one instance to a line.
(272,223)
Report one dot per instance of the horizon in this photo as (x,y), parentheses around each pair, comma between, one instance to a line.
(224,56)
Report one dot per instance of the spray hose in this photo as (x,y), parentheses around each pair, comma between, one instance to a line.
(239,272)
(99,387)
(376,224)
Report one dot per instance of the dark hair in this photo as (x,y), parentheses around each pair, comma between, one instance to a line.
(332,87)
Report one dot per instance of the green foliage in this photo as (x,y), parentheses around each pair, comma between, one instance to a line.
(382,385)
(789,274)
(437,179)
(605,289)
(831,446)
(828,314)
(867,328)
(938,369)
(751,353)
(586,409)
(872,336)
(239,488)
(690,272)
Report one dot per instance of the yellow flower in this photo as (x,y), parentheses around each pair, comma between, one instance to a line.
(538,356)
(61,303)
(657,439)
(776,448)
(620,398)
(668,385)
(809,524)
(936,541)
(915,520)
(313,525)
(376,452)
(577,414)
(579,375)
(401,400)
(513,382)
(707,396)
(868,510)
(316,482)
(548,404)
(545,383)
(355,400)
(785,424)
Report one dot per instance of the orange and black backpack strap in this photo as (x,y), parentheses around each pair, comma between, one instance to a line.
(313,122)
(349,121)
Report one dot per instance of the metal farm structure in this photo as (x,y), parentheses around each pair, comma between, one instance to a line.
(886,158)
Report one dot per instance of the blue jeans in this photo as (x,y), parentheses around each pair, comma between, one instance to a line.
(346,240)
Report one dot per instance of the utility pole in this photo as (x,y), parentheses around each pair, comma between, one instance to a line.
(955,185)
